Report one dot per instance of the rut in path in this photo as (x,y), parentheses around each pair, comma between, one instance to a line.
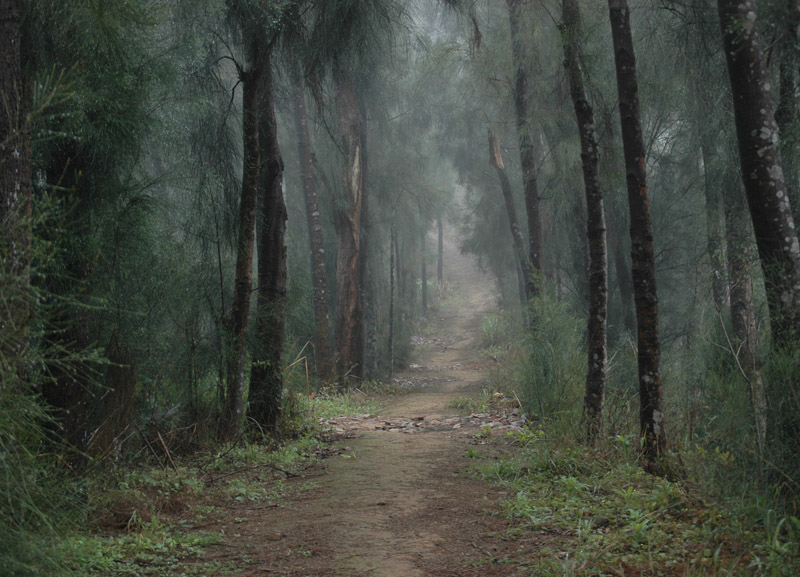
(395,503)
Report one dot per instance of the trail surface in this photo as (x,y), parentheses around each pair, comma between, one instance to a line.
(396,502)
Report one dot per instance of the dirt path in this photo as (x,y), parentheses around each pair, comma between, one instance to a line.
(396,502)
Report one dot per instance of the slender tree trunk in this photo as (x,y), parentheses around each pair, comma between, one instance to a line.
(523,262)
(762,172)
(424,273)
(616,223)
(319,273)
(15,201)
(365,301)
(349,311)
(527,153)
(392,264)
(715,217)
(651,393)
(252,79)
(743,318)
(440,253)
(266,376)
(595,226)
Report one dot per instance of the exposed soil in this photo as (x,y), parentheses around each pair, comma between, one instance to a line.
(397,501)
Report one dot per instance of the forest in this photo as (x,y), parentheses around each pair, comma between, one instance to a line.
(550,244)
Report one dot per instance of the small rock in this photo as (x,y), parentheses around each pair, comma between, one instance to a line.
(457,426)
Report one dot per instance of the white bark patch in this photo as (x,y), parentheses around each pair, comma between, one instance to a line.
(658,419)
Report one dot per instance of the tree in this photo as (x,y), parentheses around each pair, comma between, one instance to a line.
(266,376)
(251,77)
(319,273)
(651,393)
(762,171)
(523,263)
(595,226)
(516,11)
(349,304)
(739,235)
(15,196)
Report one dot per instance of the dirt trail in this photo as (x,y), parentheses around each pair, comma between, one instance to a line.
(395,504)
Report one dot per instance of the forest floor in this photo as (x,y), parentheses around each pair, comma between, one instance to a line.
(397,501)
(427,483)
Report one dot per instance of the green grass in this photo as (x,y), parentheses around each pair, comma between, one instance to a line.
(144,516)
(602,515)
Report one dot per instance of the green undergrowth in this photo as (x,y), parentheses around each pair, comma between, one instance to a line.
(167,516)
(593,511)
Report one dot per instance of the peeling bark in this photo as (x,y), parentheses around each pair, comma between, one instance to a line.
(349,310)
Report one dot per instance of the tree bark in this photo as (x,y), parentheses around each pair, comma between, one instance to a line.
(319,273)
(524,263)
(743,318)
(266,376)
(527,154)
(762,172)
(15,200)
(786,114)
(651,393)
(252,79)
(597,354)
(349,310)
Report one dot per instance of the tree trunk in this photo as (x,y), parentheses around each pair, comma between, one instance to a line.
(786,114)
(440,253)
(651,393)
(252,79)
(15,201)
(527,154)
(319,273)
(616,223)
(715,217)
(762,172)
(496,159)
(365,300)
(424,274)
(595,226)
(392,261)
(266,377)
(743,317)
(349,311)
